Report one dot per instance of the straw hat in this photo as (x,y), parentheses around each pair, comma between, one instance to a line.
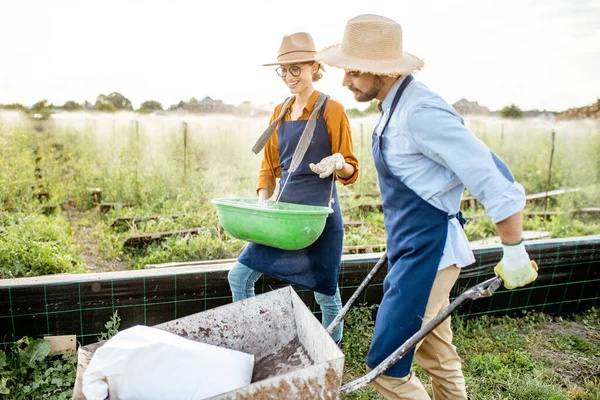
(295,48)
(371,44)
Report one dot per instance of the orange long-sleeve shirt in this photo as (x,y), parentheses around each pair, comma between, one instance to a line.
(340,137)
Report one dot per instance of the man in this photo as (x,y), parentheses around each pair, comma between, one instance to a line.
(424,156)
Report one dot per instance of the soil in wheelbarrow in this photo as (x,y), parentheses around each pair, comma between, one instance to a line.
(291,357)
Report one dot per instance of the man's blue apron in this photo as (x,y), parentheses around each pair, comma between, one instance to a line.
(416,236)
(316,267)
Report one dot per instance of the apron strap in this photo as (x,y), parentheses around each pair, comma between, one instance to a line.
(307,134)
(304,142)
(459,217)
(403,86)
(264,138)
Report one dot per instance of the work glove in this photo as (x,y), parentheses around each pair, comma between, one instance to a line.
(328,165)
(263,204)
(515,268)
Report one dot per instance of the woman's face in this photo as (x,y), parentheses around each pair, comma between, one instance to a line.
(297,77)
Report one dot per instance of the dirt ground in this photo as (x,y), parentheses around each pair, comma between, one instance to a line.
(87,240)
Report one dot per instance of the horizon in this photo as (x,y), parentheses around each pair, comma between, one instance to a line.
(538,56)
(265,106)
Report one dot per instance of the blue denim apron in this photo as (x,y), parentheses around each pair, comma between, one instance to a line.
(317,266)
(416,236)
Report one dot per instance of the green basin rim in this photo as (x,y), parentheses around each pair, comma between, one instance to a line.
(250,204)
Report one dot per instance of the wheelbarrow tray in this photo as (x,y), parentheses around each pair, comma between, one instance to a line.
(294,355)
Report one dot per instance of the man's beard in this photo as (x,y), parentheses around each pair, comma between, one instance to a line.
(369,94)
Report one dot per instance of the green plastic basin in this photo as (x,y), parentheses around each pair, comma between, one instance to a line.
(286,226)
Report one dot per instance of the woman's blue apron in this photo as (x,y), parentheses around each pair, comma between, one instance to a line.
(416,235)
(317,266)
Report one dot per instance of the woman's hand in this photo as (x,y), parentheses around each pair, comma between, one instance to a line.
(328,165)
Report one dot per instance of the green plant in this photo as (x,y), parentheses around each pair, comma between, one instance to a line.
(33,245)
(105,106)
(206,245)
(150,106)
(29,372)
(358,329)
(14,106)
(111,326)
(71,106)
(511,111)
(503,357)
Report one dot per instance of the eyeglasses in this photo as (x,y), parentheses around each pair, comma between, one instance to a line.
(294,70)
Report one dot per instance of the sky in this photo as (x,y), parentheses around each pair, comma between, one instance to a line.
(536,54)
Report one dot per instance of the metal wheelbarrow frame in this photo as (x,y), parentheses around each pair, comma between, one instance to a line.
(483,289)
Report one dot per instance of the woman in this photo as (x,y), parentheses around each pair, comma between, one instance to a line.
(316,267)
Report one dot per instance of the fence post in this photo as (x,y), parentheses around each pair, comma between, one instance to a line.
(138,152)
(185,139)
(137,131)
(549,173)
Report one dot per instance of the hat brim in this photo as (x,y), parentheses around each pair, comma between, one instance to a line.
(288,62)
(334,56)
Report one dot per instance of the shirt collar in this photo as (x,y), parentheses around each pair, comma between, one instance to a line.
(389,98)
(310,104)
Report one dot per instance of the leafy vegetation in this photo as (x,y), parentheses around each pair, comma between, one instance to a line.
(29,372)
(512,111)
(371,109)
(149,106)
(32,245)
(112,327)
(163,172)
(532,357)
(170,168)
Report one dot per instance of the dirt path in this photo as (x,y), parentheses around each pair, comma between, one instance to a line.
(85,235)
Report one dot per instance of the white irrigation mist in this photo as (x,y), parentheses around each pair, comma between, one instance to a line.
(213,147)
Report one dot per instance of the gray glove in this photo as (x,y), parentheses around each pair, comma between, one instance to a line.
(328,165)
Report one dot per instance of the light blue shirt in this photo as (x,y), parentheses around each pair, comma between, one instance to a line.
(431,151)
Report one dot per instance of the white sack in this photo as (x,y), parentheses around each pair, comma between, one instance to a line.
(149,363)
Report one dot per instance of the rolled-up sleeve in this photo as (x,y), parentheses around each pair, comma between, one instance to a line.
(340,136)
(441,135)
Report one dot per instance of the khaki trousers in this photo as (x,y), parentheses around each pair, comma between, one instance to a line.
(435,354)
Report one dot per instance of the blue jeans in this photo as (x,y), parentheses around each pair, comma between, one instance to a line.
(242,280)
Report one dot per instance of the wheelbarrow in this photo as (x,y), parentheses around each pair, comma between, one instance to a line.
(483,289)
(295,357)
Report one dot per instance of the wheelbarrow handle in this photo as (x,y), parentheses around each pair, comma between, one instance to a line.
(340,317)
(484,289)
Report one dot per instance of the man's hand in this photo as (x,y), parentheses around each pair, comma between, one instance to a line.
(515,268)
(328,165)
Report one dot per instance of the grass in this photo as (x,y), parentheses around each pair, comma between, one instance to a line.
(532,357)
(148,164)
(32,245)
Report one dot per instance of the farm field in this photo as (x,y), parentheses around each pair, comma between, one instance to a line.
(158,173)
(93,192)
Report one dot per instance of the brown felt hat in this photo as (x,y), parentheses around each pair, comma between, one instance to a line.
(295,48)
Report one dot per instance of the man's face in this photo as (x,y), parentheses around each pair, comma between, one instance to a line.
(365,87)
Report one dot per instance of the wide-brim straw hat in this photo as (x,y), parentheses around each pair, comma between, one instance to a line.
(295,48)
(371,44)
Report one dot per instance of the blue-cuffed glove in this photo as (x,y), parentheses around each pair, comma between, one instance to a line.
(515,268)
